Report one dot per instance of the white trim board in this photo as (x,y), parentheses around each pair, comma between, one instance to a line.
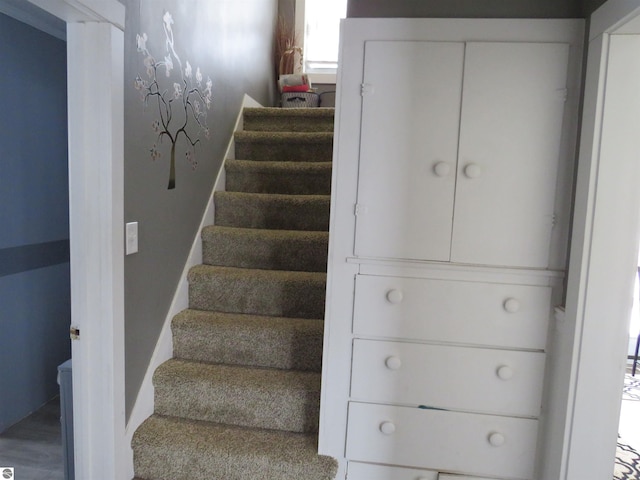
(163,351)
(95,61)
(27,13)
(604,244)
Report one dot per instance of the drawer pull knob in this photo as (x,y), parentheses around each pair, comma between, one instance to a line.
(511,305)
(393,363)
(441,169)
(394,296)
(496,439)
(472,170)
(387,428)
(505,372)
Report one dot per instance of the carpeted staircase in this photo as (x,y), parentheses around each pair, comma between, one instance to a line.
(240,398)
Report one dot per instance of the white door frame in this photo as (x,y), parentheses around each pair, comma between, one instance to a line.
(95,82)
(604,242)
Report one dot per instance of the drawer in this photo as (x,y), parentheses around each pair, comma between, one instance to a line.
(473,444)
(367,471)
(446,476)
(458,378)
(452,311)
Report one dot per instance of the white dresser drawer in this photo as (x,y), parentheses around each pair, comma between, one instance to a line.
(366,471)
(501,315)
(457,378)
(446,476)
(482,445)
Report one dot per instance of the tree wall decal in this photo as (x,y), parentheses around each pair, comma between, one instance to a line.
(181,97)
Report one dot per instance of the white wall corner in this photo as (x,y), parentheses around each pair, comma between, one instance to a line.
(143,407)
(83,11)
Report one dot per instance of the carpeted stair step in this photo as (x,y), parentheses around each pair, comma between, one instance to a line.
(251,340)
(167,448)
(284,146)
(261,292)
(271,211)
(289,119)
(295,178)
(245,396)
(265,249)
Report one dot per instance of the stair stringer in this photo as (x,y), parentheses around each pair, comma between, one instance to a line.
(144,405)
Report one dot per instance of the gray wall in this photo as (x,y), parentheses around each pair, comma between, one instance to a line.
(232,43)
(35,310)
(466,8)
(589,6)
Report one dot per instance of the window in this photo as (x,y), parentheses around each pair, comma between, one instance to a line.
(320,22)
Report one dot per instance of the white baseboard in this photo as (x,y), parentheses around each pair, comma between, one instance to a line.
(143,406)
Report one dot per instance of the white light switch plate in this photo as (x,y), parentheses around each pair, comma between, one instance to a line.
(132,238)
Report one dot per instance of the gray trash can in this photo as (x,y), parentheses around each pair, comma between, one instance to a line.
(66,418)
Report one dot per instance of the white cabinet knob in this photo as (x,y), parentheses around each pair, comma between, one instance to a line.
(387,428)
(394,296)
(472,170)
(511,305)
(441,169)
(505,372)
(393,363)
(496,439)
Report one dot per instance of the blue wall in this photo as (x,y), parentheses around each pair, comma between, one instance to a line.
(35,307)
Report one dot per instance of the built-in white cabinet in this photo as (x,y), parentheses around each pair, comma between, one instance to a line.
(452,155)
(459,149)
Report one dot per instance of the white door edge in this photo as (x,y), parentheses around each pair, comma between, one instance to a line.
(95,63)
(605,242)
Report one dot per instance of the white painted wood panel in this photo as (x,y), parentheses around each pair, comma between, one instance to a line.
(452,311)
(471,379)
(511,126)
(408,149)
(367,471)
(446,476)
(484,445)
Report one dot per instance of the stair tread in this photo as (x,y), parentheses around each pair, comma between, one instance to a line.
(272,211)
(289,112)
(255,274)
(238,395)
(265,233)
(178,370)
(280,293)
(272,166)
(286,137)
(195,450)
(300,250)
(276,197)
(193,317)
(244,339)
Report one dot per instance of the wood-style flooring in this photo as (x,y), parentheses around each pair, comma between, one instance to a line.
(34,445)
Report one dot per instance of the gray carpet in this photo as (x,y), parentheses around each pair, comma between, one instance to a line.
(240,399)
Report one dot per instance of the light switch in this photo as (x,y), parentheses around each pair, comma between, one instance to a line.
(131,233)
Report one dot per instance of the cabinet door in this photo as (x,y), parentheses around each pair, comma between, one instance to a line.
(510,131)
(408,149)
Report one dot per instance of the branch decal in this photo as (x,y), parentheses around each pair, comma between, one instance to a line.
(180,98)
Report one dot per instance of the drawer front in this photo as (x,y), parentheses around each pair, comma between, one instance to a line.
(483,445)
(366,471)
(446,476)
(460,378)
(500,315)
